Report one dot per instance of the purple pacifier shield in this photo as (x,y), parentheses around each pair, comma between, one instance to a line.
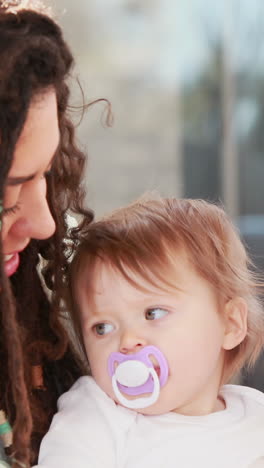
(143,356)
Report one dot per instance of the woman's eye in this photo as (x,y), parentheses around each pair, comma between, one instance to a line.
(11,210)
(103,328)
(155,313)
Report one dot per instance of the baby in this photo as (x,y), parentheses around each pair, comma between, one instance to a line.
(166,308)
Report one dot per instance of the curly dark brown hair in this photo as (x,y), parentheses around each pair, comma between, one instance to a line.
(33,59)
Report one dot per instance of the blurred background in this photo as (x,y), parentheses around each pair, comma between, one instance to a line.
(186,83)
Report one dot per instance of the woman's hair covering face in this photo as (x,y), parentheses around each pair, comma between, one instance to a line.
(33,59)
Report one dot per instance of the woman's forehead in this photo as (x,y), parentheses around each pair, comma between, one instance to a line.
(39,138)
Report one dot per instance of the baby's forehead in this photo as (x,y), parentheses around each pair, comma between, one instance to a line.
(104,278)
(119,297)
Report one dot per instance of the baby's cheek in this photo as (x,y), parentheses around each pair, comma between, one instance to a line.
(105,382)
(99,371)
(98,359)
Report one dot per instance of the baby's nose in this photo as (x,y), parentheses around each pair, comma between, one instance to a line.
(131,341)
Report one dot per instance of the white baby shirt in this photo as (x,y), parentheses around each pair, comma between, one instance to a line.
(92,431)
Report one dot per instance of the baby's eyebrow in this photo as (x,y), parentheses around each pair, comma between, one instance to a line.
(20,180)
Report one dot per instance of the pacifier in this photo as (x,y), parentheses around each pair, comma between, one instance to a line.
(135,374)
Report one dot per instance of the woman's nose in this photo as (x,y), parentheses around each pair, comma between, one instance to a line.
(39,225)
(36,221)
(131,341)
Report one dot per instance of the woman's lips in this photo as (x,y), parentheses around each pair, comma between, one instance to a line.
(11,263)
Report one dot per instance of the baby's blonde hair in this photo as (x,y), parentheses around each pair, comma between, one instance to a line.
(144,237)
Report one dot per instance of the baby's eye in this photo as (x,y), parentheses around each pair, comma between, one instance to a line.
(155,313)
(103,328)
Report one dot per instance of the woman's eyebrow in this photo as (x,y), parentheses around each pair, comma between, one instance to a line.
(19,180)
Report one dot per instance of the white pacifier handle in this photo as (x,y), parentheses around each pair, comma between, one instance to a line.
(138,402)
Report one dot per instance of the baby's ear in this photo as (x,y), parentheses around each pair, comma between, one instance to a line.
(235,316)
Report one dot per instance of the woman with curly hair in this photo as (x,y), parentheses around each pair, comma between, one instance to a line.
(40,174)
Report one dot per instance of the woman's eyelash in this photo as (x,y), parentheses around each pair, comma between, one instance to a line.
(47,173)
(15,208)
(11,210)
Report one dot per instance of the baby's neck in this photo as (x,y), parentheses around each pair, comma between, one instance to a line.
(202,406)
(220,404)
